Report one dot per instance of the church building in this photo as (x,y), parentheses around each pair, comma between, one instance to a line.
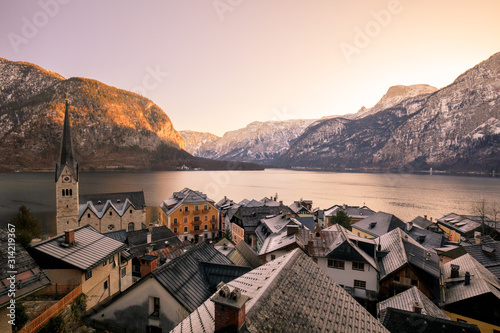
(105,212)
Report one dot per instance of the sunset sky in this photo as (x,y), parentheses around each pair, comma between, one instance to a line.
(217,65)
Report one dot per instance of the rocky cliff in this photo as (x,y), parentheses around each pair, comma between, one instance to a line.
(110,127)
(260,142)
(456,128)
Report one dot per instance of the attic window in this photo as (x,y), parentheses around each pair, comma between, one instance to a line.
(118,200)
(420,239)
(372,225)
(99,202)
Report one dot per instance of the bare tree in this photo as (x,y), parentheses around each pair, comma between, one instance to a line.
(495,214)
(479,209)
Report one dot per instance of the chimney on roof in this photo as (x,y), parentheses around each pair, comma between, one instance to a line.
(148,237)
(148,264)
(455,269)
(229,309)
(409,226)
(417,307)
(425,217)
(467,279)
(310,248)
(69,237)
(477,237)
(292,229)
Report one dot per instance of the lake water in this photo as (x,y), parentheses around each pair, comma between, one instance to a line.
(404,195)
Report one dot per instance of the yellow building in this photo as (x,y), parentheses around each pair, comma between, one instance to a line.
(191,215)
(85,257)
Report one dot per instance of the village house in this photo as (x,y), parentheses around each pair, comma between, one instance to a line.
(412,311)
(302,208)
(191,215)
(273,225)
(104,212)
(377,225)
(347,258)
(486,251)
(247,218)
(281,297)
(244,255)
(168,294)
(428,239)
(85,257)
(405,263)
(28,278)
(470,293)
(279,243)
(458,227)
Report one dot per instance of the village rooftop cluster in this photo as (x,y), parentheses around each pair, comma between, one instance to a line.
(256,265)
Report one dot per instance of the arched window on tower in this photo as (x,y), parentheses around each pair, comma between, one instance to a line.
(67,192)
(131,226)
(63,193)
(70,192)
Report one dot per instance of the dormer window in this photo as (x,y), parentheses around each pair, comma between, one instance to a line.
(118,201)
(110,213)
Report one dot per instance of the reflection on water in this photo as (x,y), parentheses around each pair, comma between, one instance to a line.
(406,196)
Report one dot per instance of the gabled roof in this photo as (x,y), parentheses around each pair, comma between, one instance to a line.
(89,250)
(161,237)
(396,320)
(99,203)
(428,239)
(487,254)
(422,222)
(402,250)
(185,280)
(283,299)
(249,217)
(406,299)
(306,221)
(351,211)
(119,235)
(29,277)
(217,273)
(185,196)
(224,242)
(244,255)
(278,241)
(379,224)
(482,281)
(464,223)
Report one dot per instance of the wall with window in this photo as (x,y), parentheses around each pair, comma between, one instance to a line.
(345,272)
(133,309)
(361,233)
(238,233)
(194,217)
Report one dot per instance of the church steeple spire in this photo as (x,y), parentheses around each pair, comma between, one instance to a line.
(67,198)
(66,158)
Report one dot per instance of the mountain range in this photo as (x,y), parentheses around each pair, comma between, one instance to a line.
(111,128)
(411,128)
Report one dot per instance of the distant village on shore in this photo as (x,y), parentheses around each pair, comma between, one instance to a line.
(258,265)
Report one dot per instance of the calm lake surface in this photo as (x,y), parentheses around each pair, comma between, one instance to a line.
(404,195)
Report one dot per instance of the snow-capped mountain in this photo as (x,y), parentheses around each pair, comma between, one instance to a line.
(393,96)
(455,128)
(260,142)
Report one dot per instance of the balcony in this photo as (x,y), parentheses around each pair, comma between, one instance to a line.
(204,211)
(196,212)
(185,212)
(194,222)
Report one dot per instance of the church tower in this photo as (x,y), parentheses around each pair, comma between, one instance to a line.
(67,204)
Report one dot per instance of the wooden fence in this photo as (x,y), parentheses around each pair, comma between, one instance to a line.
(42,319)
(57,288)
